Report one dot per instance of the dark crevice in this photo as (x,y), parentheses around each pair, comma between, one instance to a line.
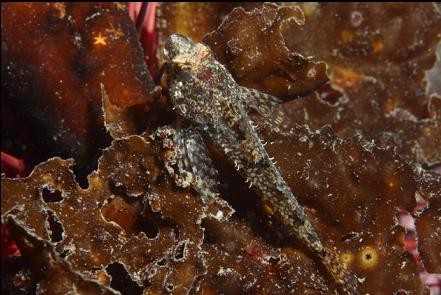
(431,167)
(161,262)
(329,94)
(65,253)
(274,260)
(180,251)
(118,189)
(121,280)
(151,223)
(51,196)
(55,228)
(209,237)
(147,226)
(169,287)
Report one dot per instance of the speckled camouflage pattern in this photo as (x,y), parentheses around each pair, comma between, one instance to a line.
(202,91)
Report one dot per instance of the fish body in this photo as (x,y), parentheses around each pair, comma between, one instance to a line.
(202,91)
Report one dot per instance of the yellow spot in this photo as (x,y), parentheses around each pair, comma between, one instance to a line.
(96,182)
(347,259)
(267,209)
(377,46)
(368,257)
(95,259)
(48,178)
(390,181)
(99,40)
(103,278)
(346,36)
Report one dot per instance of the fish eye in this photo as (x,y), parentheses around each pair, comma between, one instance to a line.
(180,67)
(176,69)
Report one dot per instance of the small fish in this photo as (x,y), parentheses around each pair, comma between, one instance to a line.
(202,91)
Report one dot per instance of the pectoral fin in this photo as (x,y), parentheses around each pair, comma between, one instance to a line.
(267,106)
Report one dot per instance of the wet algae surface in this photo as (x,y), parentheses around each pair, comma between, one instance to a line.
(99,214)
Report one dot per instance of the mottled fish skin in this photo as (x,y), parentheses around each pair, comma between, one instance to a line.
(187,160)
(202,91)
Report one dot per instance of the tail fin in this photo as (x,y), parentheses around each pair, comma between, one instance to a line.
(347,282)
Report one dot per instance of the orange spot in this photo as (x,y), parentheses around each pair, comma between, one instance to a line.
(347,259)
(345,77)
(390,181)
(368,257)
(267,209)
(99,40)
(391,184)
(155,205)
(95,259)
(346,36)
(103,278)
(377,46)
